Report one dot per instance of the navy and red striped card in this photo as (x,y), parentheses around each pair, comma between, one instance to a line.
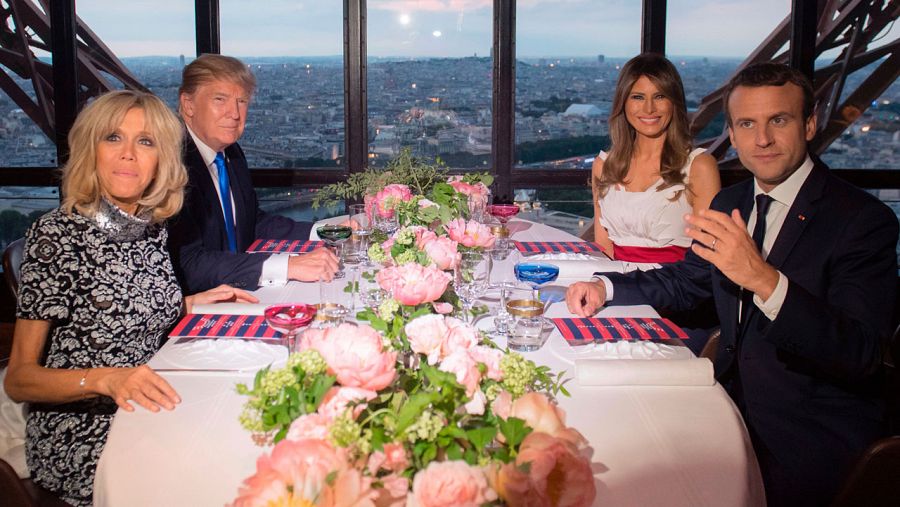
(205,325)
(296,246)
(540,247)
(588,330)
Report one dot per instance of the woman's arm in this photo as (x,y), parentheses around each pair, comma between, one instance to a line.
(27,380)
(704,182)
(601,237)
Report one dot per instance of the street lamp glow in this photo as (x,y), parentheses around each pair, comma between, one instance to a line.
(404,19)
(436,33)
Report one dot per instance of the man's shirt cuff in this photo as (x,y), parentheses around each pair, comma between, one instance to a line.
(772,306)
(606,283)
(274,270)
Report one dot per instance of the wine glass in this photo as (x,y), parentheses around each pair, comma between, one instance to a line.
(287,319)
(470,279)
(504,279)
(477,204)
(503,212)
(536,274)
(334,236)
(363,230)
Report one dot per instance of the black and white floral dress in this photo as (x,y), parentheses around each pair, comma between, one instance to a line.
(108,288)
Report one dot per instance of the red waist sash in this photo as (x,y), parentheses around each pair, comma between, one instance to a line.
(658,255)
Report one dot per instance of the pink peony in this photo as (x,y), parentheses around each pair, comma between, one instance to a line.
(426,336)
(442,308)
(489,357)
(388,198)
(413,284)
(475,405)
(464,368)
(305,472)
(354,355)
(392,458)
(451,483)
(338,399)
(443,252)
(478,189)
(540,414)
(547,471)
(393,492)
(470,233)
(460,336)
(314,426)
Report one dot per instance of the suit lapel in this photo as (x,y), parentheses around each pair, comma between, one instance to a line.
(234,159)
(745,206)
(801,212)
(200,178)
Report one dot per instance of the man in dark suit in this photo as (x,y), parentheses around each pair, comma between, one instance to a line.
(221,216)
(804,302)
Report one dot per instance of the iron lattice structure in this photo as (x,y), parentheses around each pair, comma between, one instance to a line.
(24,30)
(850,26)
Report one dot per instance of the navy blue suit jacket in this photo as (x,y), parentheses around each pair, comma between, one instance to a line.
(197,239)
(806,382)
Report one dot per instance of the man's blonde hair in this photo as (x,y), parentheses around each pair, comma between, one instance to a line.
(211,67)
(80,183)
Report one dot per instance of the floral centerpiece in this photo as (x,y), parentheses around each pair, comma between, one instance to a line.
(413,406)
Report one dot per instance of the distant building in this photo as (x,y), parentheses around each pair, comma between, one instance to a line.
(585,111)
(601,59)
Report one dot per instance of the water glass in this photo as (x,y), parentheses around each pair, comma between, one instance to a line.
(370,293)
(335,302)
(478,205)
(471,278)
(529,329)
(362,231)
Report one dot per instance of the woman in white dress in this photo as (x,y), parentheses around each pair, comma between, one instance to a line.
(651,176)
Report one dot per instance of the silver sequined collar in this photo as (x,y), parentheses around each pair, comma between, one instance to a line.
(121,226)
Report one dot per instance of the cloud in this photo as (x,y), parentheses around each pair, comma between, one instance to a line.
(430,5)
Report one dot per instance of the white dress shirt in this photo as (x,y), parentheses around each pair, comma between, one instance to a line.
(275,268)
(783,197)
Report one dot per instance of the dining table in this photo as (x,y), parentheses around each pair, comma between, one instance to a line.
(662,442)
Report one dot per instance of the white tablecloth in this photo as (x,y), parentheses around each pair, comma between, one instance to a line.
(674,446)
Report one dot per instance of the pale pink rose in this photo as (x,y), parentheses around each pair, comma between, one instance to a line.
(470,233)
(387,244)
(543,416)
(423,236)
(425,203)
(426,336)
(298,472)
(338,399)
(547,471)
(354,355)
(478,189)
(443,252)
(450,484)
(442,308)
(413,284)
(460,336)
(388,198)
(310,426)
(393,492)
(460,364)
(502,405)
(489,357)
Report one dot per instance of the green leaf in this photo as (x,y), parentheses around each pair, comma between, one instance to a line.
(454,451)
(515,430)
(481,437)
(413,409)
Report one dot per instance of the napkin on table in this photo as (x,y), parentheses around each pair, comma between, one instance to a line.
(579,266)
(640,372)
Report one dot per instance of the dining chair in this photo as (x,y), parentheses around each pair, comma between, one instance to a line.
(873,480)
(12,264)
(13,488)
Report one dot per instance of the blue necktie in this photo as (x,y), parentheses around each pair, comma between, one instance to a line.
(225,192)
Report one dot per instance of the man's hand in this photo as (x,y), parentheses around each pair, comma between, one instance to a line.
(221,294)
(585,298)
(321,263)
(730,248)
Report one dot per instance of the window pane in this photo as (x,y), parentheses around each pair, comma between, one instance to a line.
(20,206)
(891,197)
(295,49)
(150,42)
(295,203)
(568,55)
(429,88)
(566,208)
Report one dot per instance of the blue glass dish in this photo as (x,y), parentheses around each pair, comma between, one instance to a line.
(536,274)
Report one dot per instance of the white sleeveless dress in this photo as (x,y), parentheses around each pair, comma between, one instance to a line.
(648,218)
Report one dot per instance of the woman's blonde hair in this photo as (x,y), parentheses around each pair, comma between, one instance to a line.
(80,183)
(677,147)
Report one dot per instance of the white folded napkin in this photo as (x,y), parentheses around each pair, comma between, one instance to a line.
(225,353)
(230,308)
(639,372)
(577,266)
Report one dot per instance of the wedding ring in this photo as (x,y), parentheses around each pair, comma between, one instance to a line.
(713,246)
